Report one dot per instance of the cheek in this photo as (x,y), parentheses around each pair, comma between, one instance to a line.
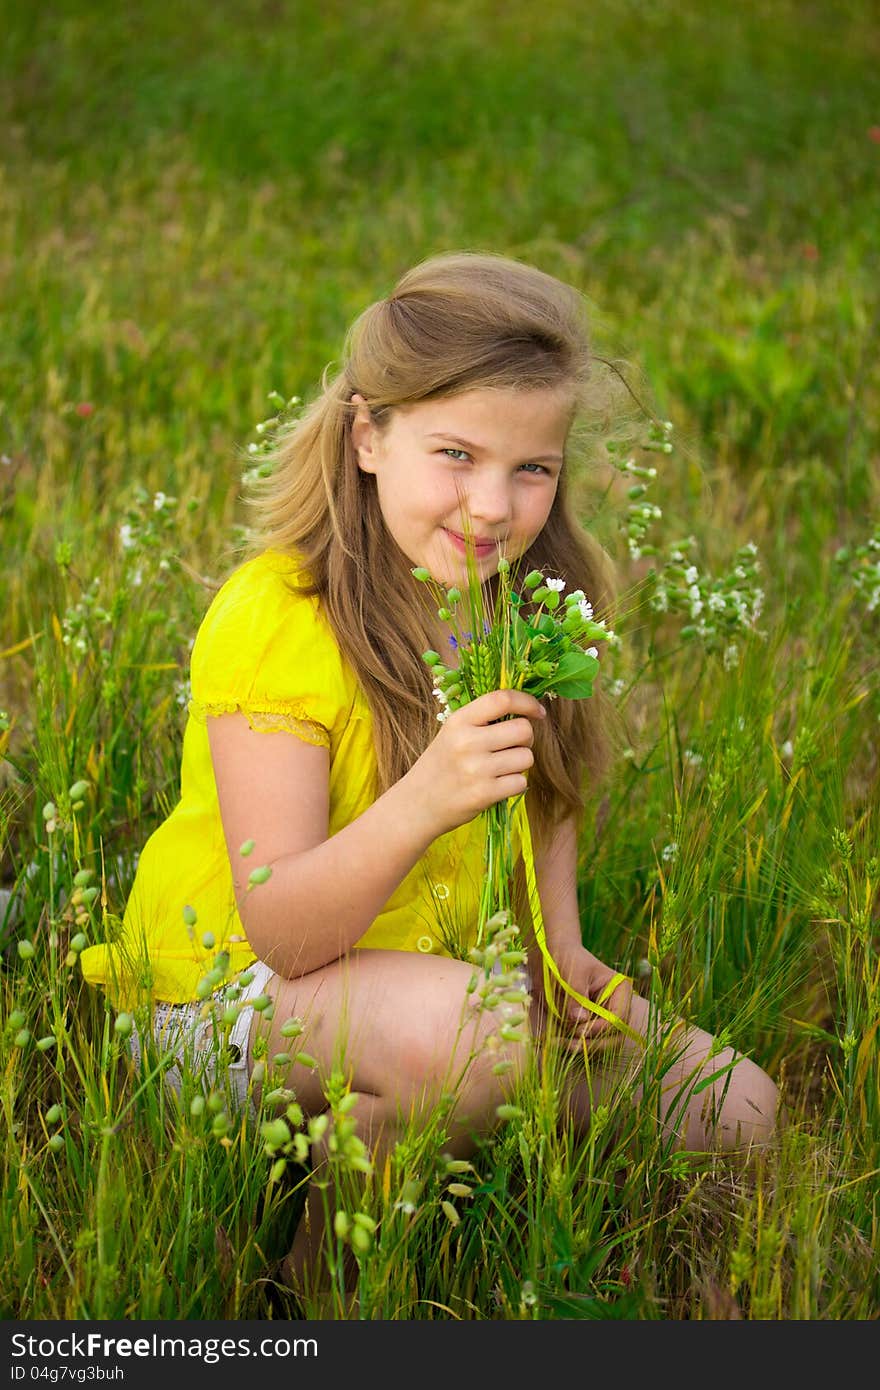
(536,509)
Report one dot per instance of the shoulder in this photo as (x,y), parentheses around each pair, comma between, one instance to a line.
(263,595)
(264,633)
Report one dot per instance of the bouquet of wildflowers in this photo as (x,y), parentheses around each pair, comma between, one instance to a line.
(537,639)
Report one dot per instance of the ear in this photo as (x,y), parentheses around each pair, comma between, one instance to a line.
(363,434)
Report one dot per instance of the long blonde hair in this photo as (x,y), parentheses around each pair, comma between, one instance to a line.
(456,322)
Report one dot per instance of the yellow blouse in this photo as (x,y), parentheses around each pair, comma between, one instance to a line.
(264,648)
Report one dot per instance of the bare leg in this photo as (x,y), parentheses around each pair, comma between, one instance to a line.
(735,1113)
(403,1030)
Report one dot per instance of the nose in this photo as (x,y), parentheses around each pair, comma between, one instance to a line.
(490,502)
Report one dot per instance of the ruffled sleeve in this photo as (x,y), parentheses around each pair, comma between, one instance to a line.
(265,650)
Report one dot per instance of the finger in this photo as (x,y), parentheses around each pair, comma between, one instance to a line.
(514,785)
(500,704)
(508,734)
(510,760)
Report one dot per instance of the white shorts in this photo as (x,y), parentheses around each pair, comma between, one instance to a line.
(200,1043)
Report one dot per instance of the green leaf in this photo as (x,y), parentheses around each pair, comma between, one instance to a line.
(575,675)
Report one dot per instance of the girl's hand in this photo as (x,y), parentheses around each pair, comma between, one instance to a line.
(591,978)
(480,756)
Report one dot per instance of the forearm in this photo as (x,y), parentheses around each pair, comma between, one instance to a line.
(319,902)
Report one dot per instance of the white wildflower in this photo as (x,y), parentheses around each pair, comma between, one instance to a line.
(660,600)
(556,585)
(787,750)
(592,651)
(585,608)
(669,852)
(731,656)
(159,501)
(692,758)
(691,575)
(717,603)
(126,535)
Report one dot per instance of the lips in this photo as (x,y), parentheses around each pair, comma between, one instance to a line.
(482,545)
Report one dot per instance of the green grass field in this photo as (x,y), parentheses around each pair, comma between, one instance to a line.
(193,206)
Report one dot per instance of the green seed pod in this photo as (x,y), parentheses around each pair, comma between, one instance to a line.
(46,1044)
(278,1169)
(190,916)
(291,1028)
(79,942)
(197,1106)
(220,1124)
(294,1113)
(260,875)
(421,574)
(281,1059)
(261,1003)
(318,1126)
(25,950)
(276,1133)
(78,790)
(215,1102)
(305,1059)
(56,1143)
(508,1112)
(533,579)
(247,848)
(17,1019)
(89,895)
(444,615)
(208,940)
(361,1240)
(22,1037)
(49,811)
(54,1115)
(453,597)
(503,565)
(83,877)
(123,1025)
(341,1225)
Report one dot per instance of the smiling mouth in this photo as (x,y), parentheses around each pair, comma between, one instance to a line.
(478,542)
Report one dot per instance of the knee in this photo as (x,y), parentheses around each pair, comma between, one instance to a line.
(473,1070)
(741,1112)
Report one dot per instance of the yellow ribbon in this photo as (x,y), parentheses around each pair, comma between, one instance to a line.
(550,968)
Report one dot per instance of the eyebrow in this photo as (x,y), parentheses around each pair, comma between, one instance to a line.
(478,449)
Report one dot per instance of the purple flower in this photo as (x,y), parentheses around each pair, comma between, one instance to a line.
(452,642)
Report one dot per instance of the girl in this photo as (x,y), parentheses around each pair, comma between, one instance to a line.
(313,735)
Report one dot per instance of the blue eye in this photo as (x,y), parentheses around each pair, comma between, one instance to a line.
(539,466)
(455,451)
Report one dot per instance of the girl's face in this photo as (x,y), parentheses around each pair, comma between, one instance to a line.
(492,456)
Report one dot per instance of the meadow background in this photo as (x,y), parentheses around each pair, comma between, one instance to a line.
(194,203)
